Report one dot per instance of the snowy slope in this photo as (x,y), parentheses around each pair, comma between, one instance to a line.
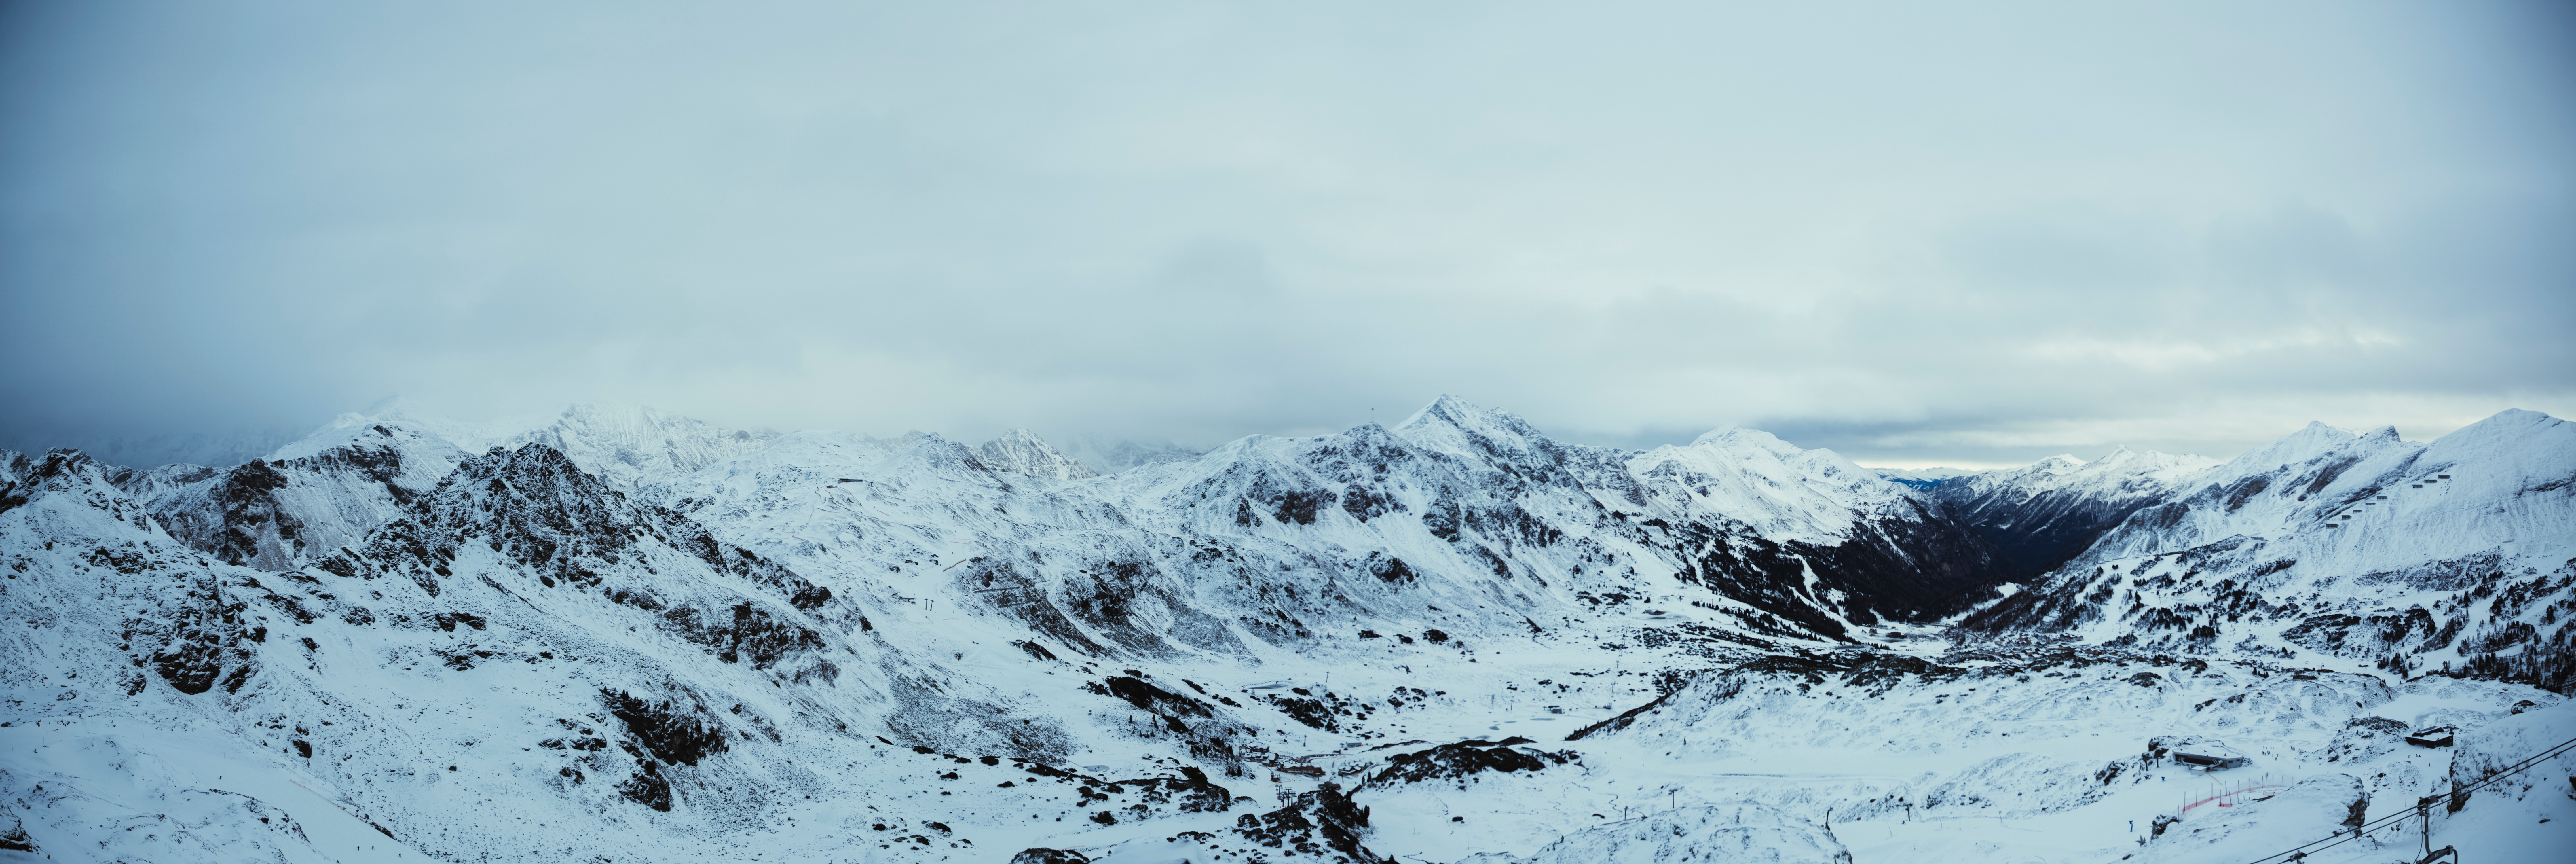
(2050,753)
(2042,514)
(524,634)
(2335,547)
(661,641)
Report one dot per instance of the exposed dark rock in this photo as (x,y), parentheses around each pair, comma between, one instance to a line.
(744,632)
(1161,702)
(1190,793)
(1034,650)
(1622,721)
(1312,712)
(1314,823)
(648,788)
(15,839)
(1456,761)
(543,513)
(666,730)
(810,597)
(1393,570)
(2035,535)
(201,632)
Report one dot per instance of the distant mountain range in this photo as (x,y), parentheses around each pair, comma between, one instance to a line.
(624,634)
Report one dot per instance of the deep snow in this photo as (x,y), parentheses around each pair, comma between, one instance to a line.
(626,636)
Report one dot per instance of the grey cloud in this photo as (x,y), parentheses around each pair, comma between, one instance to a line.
(1907,234)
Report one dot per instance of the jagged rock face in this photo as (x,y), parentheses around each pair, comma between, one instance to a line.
(1451,762)
(1023,452)
(17,473)
(1284,541)
(280,515)
(174,616)
(2040,516)
(536,513)
(1318,823)
(524,599)
(1516,516)
(2459,552)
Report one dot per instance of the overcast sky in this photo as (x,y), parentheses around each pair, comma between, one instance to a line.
(1916,233)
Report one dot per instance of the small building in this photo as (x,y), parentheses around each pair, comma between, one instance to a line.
(2432,736)
(2209,757)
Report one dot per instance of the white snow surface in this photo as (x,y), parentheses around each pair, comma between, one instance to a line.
(514,656)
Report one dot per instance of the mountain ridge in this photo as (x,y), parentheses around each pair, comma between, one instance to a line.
(657,639)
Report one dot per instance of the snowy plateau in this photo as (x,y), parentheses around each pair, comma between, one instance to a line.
(617,635)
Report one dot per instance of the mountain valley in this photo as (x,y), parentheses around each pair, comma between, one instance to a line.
(623,635)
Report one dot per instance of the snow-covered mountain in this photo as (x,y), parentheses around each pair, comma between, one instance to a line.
(627,443)
(326,490)
(2459,553)
(624,443)
(1110,456)
(1021,451)
(2042,514)
(1457,508)
(1920,478)
(280,515)
(622,635)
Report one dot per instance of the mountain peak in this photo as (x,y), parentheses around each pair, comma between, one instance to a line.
(1021,451)
(1451,410)
(1458,426)
(2059,463)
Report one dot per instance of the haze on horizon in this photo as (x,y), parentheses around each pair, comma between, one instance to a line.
(1916,236)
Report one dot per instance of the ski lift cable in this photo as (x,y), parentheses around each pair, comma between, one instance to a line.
(2391,819)
(2303,849)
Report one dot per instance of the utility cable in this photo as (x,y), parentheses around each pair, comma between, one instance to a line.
(2341,837)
